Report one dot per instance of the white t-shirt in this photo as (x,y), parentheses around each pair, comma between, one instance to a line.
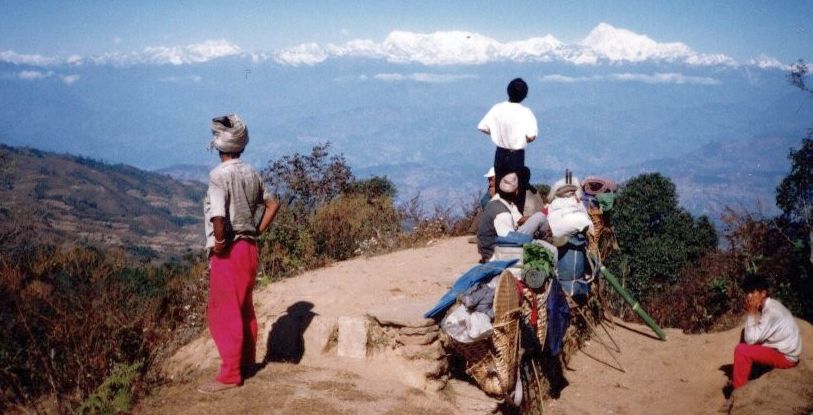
(776,328)
(509,124)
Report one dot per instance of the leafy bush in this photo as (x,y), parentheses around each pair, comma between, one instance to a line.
(344,224)
(288,247)
(114,395)
(329,215)
(657,238)
(311,180)
(74,314)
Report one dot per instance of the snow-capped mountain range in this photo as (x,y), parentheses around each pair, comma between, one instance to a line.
(605,43)
(615,103)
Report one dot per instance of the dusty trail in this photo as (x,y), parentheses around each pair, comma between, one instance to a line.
(683,375)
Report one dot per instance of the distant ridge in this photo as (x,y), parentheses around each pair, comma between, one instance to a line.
(735,173)
(187,172)
(71,199)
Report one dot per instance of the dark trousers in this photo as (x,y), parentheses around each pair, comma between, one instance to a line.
(510,161)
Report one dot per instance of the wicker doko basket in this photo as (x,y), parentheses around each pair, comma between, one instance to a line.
(492,362)
(602,241)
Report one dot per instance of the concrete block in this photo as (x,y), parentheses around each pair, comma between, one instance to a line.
(352,337)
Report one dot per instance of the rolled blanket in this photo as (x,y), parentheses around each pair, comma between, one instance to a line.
(229,134)
(594,185)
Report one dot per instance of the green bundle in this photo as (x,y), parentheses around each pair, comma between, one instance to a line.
(537,257)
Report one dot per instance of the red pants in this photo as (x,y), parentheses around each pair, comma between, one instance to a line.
(231,309)
(747,354)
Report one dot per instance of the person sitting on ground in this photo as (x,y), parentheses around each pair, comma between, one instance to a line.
(492,190)
(770,336)
(502,217)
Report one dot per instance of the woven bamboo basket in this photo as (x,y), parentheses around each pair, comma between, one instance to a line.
(542,311)
(492,362)
(602,241)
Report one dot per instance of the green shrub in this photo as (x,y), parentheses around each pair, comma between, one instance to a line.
(115,394)
(78,311)
(657,237)
(288,247)
(343,225)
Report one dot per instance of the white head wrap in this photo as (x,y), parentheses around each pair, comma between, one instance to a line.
(509,183)
(229,139)
(490,173)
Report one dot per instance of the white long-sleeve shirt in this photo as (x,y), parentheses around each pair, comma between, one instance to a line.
(775,328)
(507,221)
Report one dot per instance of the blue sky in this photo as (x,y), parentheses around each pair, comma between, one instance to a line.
(741,29)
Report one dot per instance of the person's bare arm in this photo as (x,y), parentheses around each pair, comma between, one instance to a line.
(271,208)
(219,224)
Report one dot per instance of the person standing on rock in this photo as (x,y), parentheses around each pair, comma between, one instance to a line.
(511,127)
(770,336)
(235,193)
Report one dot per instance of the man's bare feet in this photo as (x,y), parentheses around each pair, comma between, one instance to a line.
(215,386)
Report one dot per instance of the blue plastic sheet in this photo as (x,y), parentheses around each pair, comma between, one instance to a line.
(476,274)
(514,239)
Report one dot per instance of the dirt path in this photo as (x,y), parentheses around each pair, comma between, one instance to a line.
(684,375)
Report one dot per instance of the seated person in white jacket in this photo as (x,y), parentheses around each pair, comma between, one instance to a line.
(501,216)
(770,336)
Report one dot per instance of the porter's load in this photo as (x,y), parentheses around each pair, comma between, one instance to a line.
(566,213)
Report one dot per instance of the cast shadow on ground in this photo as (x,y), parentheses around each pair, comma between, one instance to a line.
(757,370)
(286,341)
(618,323)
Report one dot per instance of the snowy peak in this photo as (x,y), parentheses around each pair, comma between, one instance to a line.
(621,45)
(439,48)
(604,44)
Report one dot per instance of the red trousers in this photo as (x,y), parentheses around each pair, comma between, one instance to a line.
(231,309)
(745,355)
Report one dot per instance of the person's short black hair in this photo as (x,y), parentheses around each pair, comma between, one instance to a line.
(524,174)
(517,90)
(755,282)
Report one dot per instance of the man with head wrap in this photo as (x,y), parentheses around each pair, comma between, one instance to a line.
(502,217)
(235,193)
(511,127)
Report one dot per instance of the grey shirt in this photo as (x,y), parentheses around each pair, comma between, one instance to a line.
(235,192)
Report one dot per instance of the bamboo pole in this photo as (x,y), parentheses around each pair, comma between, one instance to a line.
(632,302)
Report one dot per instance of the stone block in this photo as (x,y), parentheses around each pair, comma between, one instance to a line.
(433,351)
(418,340)
(317,335)
(352,337)
(404,312)
(411,331)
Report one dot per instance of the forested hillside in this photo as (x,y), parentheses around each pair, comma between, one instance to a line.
(73,199)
